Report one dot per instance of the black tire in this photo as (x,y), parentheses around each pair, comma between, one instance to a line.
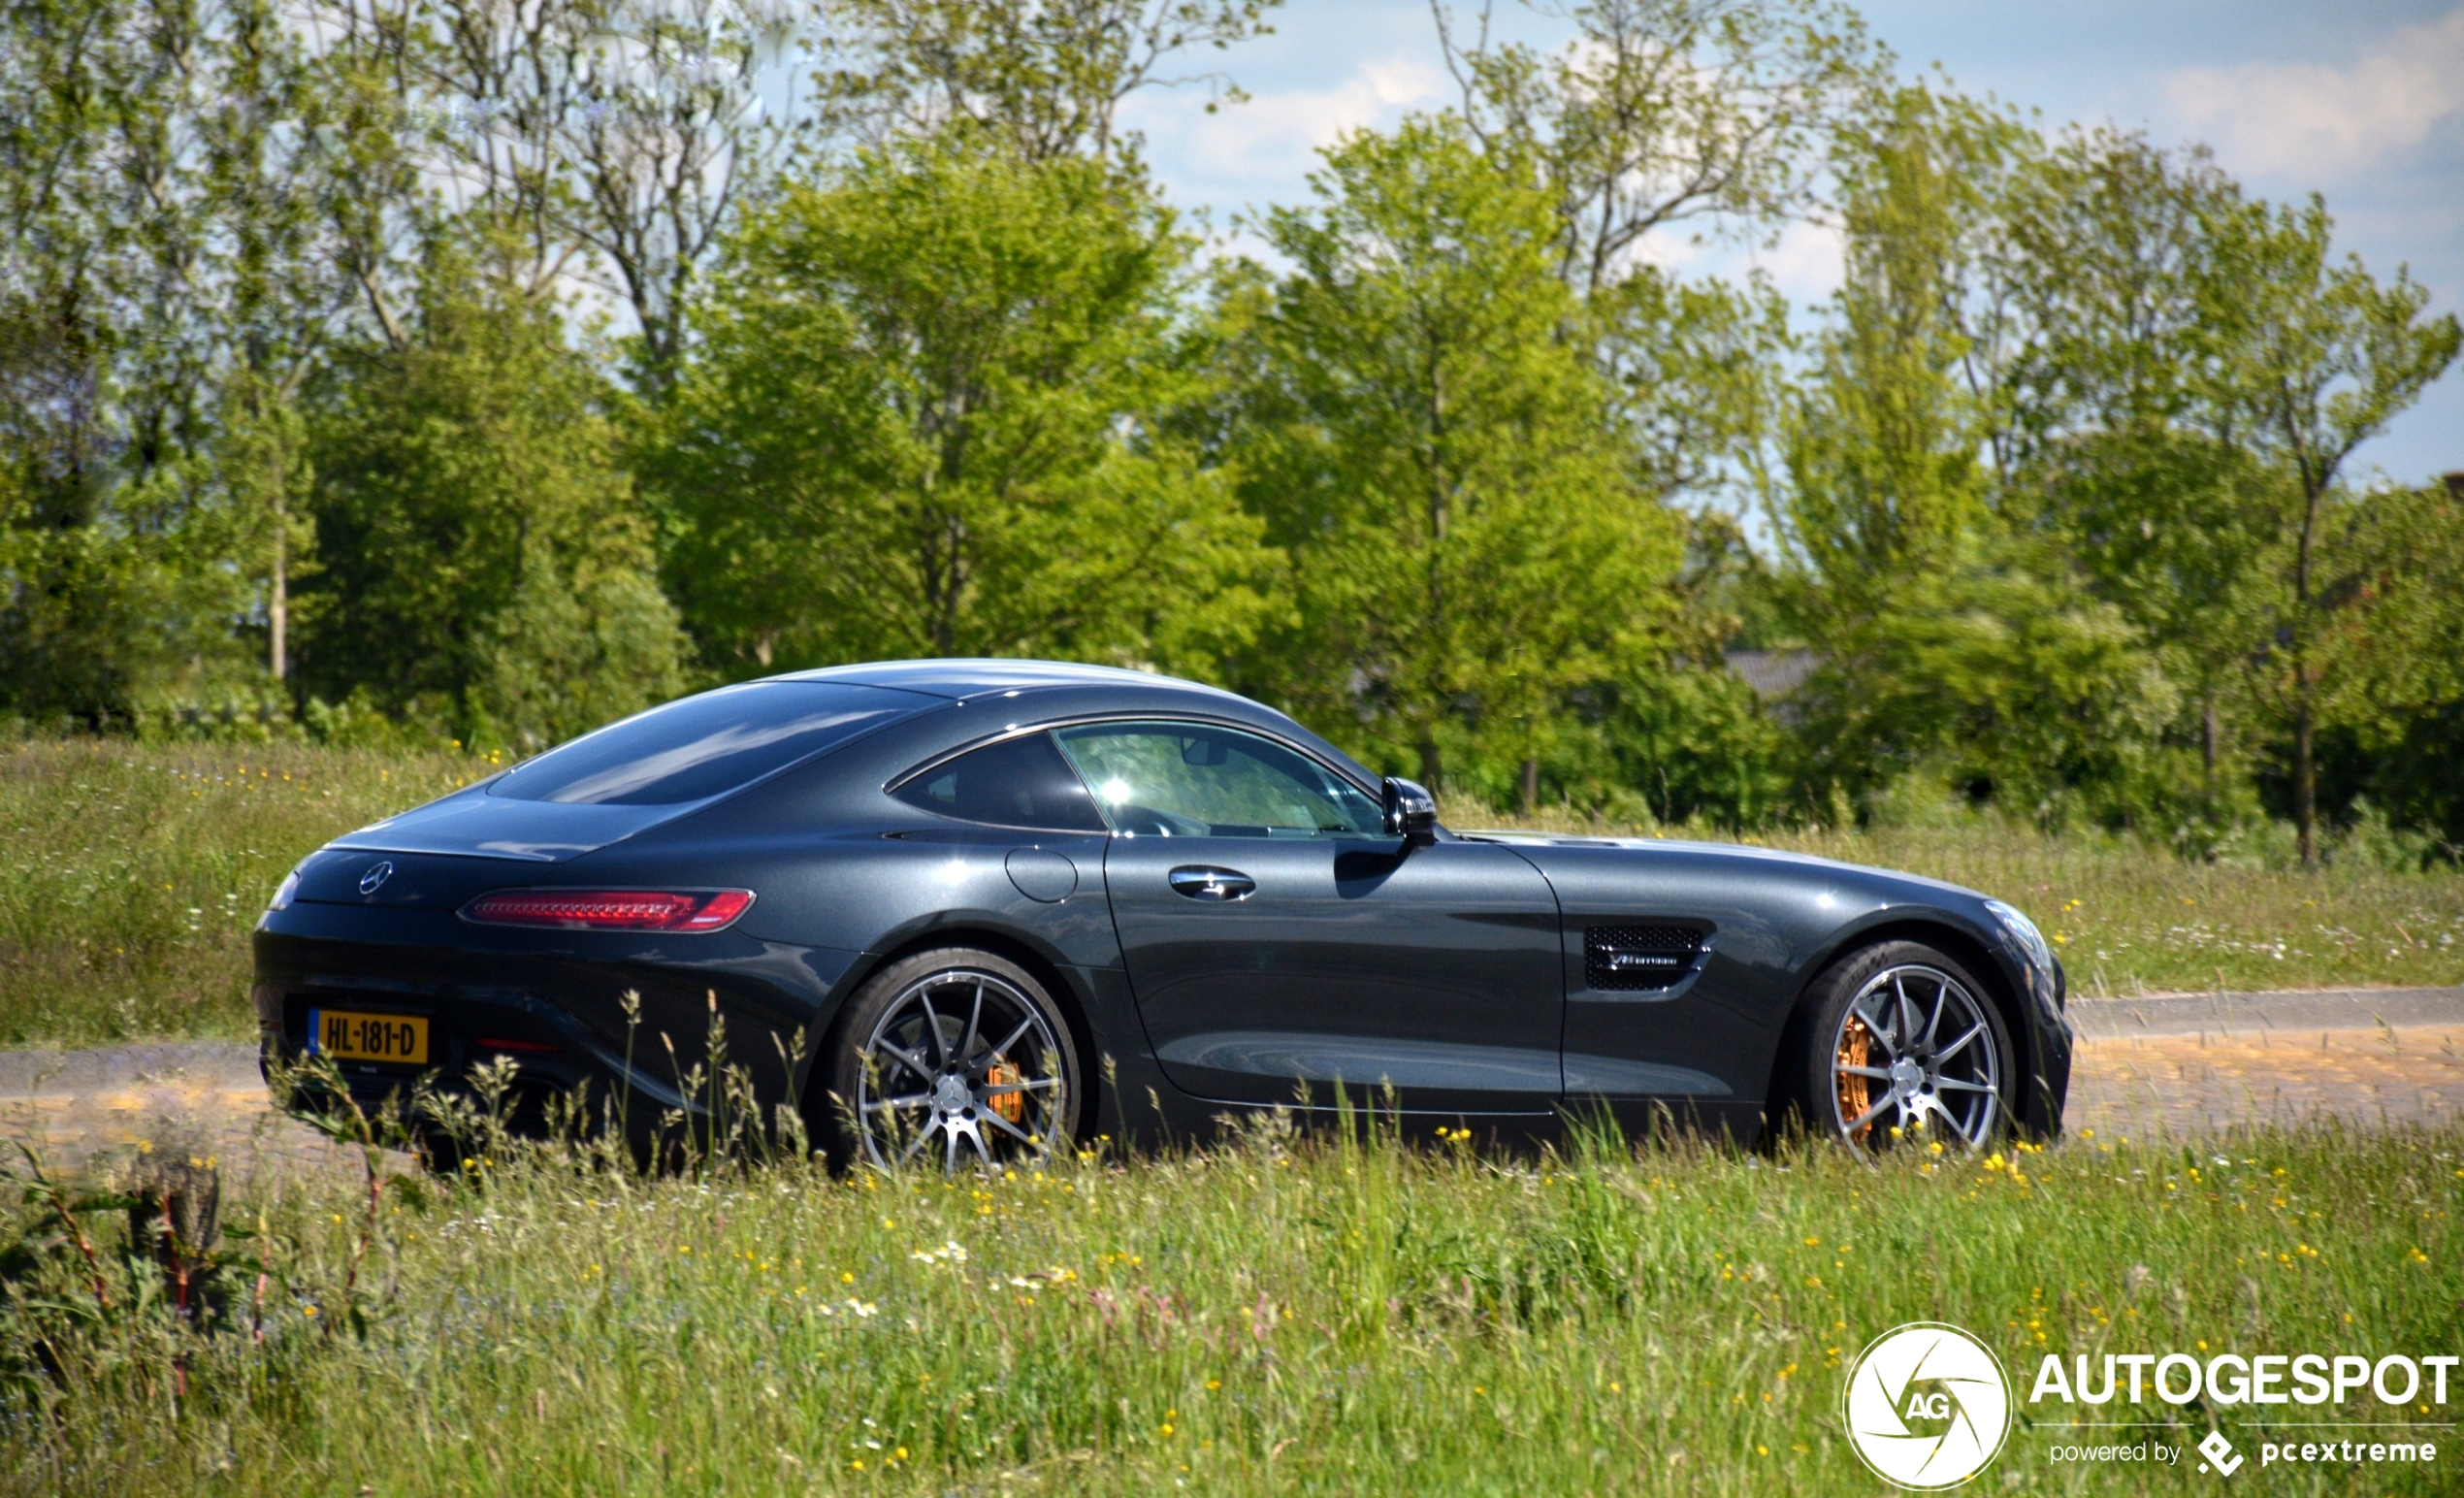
(1004,1083)
(1915,1004)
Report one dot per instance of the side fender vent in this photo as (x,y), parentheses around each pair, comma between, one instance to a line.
(1639,956)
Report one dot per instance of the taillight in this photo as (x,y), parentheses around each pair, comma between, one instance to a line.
(611,910)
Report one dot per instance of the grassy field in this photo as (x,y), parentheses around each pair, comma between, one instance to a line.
(1264,1316)
(135,872)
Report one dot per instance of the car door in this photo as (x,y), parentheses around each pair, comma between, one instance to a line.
(1277,939)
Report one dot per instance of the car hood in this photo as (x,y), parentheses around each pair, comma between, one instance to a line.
(1739,852)
(473,824)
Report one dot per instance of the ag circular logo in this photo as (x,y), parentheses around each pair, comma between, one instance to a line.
(1927,1406)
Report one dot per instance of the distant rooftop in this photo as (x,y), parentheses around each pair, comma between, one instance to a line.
(1771,674)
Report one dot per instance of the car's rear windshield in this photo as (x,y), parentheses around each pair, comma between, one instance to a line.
(707,745)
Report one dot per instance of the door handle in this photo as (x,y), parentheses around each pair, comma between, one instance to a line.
(1200,882)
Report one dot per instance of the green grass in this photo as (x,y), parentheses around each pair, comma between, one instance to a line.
(135,872)
(1259,1317)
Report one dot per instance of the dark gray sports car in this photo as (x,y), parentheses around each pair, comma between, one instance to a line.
(1008,905)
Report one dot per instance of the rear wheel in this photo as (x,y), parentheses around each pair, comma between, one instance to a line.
(955,1060)
(1898,1046)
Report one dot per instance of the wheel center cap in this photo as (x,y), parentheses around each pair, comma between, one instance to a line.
(1906,1074)
(950,1094)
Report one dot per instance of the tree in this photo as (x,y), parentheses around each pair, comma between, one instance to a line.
(1884,478)
(161,256)
(926,420)
(485,564)
(1663,113)
(2114,429)
(2323,357)
(2395,725)
(605,140)
(1467,538)
(2176,527)
(1035,78)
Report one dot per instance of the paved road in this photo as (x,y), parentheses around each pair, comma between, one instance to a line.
(2182,1064)
(2195,1063)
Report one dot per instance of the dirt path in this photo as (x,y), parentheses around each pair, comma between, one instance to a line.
(2163,1066)
(204,1098)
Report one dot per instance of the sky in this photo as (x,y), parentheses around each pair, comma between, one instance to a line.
(2361,102)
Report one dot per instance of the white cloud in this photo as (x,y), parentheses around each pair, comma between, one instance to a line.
(1272,141)
(1806,265)
(2305,119)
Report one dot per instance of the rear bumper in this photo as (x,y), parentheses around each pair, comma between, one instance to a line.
(553,1002)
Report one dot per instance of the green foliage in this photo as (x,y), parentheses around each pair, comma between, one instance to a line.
(1431,452)
(483,450)
(303,429)
(1683,747)
(1884,480)
(2002,677)
(924,420)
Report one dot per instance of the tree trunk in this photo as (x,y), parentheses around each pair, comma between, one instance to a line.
(1431,766)
(278,610)
(2305,715)
(2305,769)
(1529,800)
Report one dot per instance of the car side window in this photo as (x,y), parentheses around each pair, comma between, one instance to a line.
(1019,782)
(1198,780)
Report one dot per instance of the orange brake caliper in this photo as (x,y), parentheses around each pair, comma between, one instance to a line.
(1855,1094)
(1009,1105)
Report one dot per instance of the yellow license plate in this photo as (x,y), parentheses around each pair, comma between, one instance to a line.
(346,1036)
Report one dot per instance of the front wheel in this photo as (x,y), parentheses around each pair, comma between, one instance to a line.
(1899,1045)
(951,1058)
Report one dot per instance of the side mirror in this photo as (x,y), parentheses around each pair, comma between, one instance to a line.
(1412,812)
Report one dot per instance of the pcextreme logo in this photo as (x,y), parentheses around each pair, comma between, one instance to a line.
(1927,1406)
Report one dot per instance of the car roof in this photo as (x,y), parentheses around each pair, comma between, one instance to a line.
(962,679)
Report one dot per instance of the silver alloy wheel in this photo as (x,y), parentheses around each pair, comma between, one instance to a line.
(962,1063)
(1915,1054)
